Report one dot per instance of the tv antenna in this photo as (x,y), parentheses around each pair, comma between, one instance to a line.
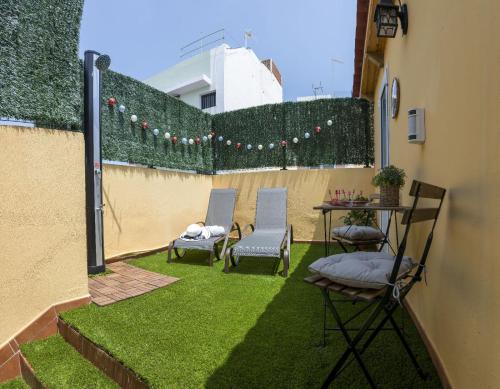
(248,35)
(317,90)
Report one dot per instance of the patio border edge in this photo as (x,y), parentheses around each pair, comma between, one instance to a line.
(42,326)
(109,365)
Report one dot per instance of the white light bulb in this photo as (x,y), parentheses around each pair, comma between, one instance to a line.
(295,140)
(205,138)
(209,136)
(307,135)
(271,146)
(156,132)
(184,141)
(228,143)
(191,141)
(249,147)
(121,108)
(260,147)
(167,135)
(329,122)
(133,118)
(221,138)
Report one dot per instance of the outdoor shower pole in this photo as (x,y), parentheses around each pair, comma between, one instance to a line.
(93,64)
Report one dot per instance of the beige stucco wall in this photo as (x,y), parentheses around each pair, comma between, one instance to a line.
(449,64)
(306,188)
(42,223)
(146,208)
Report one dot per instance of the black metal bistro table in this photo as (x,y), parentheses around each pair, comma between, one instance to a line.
(327,208)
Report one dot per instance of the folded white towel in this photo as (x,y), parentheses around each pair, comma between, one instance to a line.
(216,230)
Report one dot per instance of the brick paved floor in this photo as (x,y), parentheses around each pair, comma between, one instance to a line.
(126,281)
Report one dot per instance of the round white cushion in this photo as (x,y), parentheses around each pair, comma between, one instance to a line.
(358,233)
(360,269)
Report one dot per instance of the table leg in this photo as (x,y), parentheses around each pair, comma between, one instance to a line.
(329,232)
(326,241)
(396,227)
(386,233)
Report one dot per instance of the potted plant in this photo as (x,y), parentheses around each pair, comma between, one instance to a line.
(390,179)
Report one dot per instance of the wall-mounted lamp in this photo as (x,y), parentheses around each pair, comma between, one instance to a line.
(386,18)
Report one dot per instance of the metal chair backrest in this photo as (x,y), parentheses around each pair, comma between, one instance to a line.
(415,214)
(271,209)
(221,208)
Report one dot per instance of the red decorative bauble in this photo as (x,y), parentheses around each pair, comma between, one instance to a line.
(284,143)
(197,140)
(144,125)
(238,145)
(317,129)
(112,101)
(174,139)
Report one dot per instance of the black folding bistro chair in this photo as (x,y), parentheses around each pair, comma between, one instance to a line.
(386,300)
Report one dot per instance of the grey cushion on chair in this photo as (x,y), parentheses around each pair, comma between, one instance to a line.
(358,233)
(360,269)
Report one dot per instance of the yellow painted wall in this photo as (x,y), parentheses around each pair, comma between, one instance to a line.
(43,257)
(306,188)
(449,64)
(147,208)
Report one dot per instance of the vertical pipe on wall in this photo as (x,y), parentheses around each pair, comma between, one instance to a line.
(93,159)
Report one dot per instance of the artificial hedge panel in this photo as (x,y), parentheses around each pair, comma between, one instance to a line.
(41,79)
(39,68)
(125,141)
(348,140)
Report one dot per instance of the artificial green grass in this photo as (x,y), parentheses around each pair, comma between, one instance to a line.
(104,273)
(246,329)
(17,383)
(60,366)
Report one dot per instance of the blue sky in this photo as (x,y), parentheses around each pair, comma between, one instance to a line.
(144,37)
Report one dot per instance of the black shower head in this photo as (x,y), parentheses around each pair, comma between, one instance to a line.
(102,62)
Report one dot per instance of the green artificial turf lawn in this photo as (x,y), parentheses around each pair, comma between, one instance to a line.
(104,273)
(60,366)
(246,329)
(18,383)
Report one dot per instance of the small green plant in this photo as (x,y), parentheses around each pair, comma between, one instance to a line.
(358,217)
(390,176)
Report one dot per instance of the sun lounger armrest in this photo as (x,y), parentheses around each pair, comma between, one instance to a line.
(290,234)
(246,228)
(236,227)
(202,223)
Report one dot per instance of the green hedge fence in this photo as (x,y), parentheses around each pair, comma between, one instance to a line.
(125,141)
(345,134)
(39,68)
(41,79)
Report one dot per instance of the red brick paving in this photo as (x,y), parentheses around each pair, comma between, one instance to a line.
(126,281)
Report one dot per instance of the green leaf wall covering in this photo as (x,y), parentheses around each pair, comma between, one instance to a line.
(349,140)
(41,79)
(125,141)
(39,68)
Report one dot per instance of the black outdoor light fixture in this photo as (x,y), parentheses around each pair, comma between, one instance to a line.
(386,17)
(94,63)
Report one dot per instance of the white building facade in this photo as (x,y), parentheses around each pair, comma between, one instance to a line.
(222,79)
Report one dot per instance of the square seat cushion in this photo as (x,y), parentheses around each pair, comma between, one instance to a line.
(360,269)
(359,233)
